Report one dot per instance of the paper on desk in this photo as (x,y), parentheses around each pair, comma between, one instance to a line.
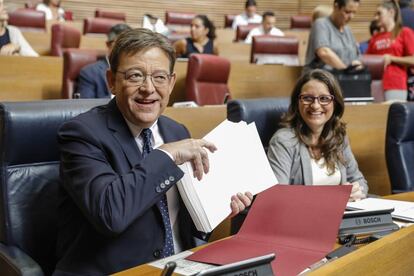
(298,223)
(239,165)
(402,209)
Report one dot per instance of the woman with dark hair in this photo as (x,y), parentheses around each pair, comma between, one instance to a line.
(312,148)
(201,41)
(396,43)
(52,10)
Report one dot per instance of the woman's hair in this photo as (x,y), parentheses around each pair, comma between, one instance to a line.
(331,140)
(207,23)
(393,5)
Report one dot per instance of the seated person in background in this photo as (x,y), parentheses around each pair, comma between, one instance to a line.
(407,13)
(321,11)
(249,16)
(52,10)
(92,78)
(267,27)
(203,33)
(12,42)
(374,28)
(396,43)
(313,148)
(331,44)
(119,168)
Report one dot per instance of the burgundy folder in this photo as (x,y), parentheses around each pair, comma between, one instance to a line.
(298,223)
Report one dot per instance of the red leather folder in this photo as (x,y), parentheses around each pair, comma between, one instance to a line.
(298,223)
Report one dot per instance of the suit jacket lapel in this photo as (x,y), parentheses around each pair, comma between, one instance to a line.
(306,166)
(122,134)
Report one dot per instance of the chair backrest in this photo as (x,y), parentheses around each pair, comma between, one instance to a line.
(243,30)
(375,65)
(99,25)
(275,49)
(179,18)
(300,22)
(265,112)
(228,20)
(29,179)
(399,146)
(28,20)
(206,80)
(73,61)
(110,14)
(64,36)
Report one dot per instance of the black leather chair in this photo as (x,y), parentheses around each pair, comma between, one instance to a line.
(29,182)
(267,114)
(399,146)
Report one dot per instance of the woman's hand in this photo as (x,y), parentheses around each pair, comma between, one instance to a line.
(356,193)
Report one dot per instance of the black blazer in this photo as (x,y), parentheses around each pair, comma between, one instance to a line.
(92,80)
(108,219)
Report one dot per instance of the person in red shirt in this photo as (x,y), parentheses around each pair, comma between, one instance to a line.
(396,43)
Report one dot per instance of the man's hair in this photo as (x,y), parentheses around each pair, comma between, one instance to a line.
(136,40)
(374,27)
(116,30)
(342,3)
(332,138)
(266,14)
(250,3)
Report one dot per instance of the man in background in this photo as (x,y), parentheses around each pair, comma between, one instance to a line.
(267,27)
(249,16)
(92,78)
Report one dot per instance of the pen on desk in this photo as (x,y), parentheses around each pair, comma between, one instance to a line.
(168,269)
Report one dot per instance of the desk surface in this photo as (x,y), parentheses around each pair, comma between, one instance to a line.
(392,255)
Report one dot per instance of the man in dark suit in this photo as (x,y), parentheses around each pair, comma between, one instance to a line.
(120,206)
(92,78)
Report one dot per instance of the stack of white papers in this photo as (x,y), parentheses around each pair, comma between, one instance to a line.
(239,165)
(403,210)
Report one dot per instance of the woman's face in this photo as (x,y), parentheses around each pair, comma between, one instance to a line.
(384,16)
(198,30)
(345,14)
(316,105)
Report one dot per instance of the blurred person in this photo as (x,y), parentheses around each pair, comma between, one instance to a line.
(52,10)
(374,28)
(267,27)
(407,13)
(313,148)
(396,43)
(321,11)
(203,33)
(92,78)
(119,168)
(249,16)
(331,44)
(12,41)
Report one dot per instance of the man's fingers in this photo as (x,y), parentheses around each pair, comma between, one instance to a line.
(244,199)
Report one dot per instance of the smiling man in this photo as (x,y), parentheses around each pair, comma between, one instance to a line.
(120,205)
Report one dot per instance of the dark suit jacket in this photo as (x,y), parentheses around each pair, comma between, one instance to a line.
(109,220)
(92,80)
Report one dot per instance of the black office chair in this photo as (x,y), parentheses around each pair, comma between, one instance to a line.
(399,146)
(29,182)
(267,114)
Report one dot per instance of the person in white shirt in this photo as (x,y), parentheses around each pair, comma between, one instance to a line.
(267,27)
(52,10)
(12,42)
(249,16)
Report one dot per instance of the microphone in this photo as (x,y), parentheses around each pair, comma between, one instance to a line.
(168,269)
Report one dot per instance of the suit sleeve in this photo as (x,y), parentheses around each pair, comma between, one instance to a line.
(86,85)
(111,200)
(353,173)
(280,158)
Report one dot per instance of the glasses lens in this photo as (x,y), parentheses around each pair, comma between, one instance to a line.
(160,79)
(134,77)
(325,99)
(306,99)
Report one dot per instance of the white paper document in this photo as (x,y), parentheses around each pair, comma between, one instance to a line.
(239,165)
(403,210)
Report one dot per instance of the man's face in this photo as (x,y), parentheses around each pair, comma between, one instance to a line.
(268,23)
(251,11)
(142,104)
(347,12)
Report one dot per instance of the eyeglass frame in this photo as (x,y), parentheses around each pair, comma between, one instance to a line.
(169,76)
(300,97)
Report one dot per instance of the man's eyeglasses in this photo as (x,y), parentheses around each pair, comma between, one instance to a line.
(322,99)
(135,77)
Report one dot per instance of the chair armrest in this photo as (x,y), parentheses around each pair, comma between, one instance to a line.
(13,262)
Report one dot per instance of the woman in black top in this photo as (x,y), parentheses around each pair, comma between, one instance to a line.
(201,41)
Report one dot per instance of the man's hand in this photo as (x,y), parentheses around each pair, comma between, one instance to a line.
(193,150)
(239,202)
(356,193)
(9,50)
